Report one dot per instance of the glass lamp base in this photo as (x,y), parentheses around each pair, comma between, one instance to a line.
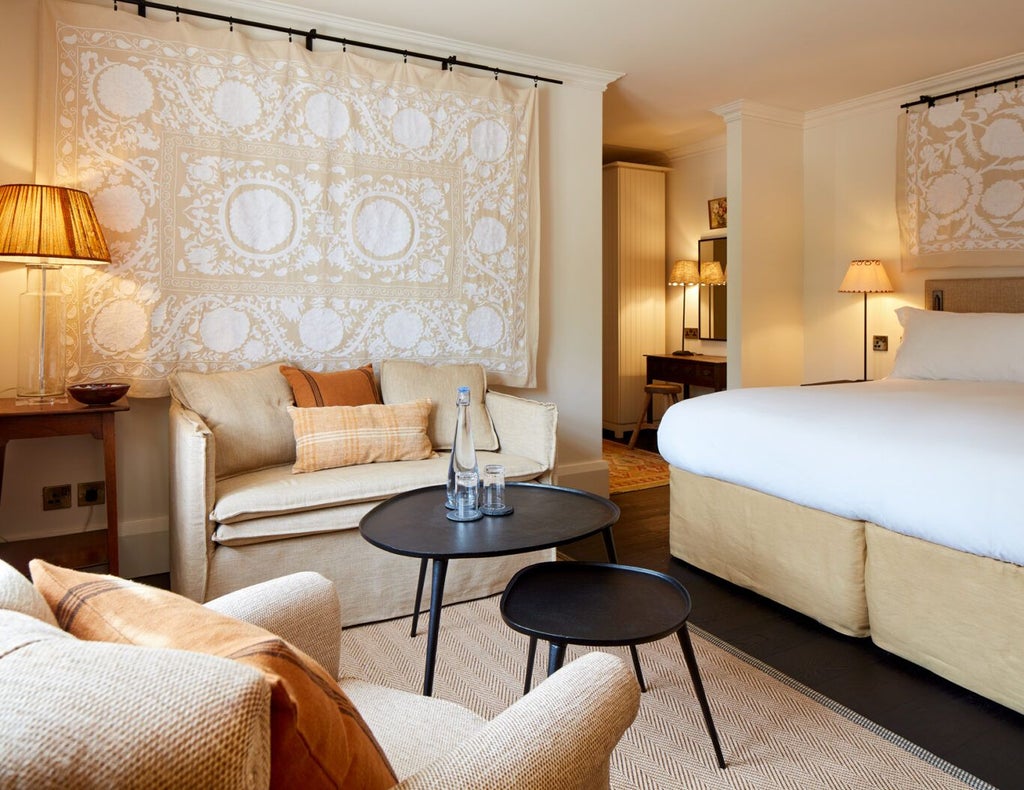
(41,337)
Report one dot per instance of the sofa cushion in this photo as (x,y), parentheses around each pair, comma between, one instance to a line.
(293,502)
(18,595)
(333,436)
(245,409)
(339,388)
(95,714)
(401,380)
(318,739)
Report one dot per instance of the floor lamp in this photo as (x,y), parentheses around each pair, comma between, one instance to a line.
(684,273)
(46,227)
(865,277)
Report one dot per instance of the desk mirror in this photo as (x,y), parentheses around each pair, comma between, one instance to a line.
(711,323)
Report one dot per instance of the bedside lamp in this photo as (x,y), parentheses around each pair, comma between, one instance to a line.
(46,227)
(866,277)
(684,273)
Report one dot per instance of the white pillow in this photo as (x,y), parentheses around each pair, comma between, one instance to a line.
(961,346)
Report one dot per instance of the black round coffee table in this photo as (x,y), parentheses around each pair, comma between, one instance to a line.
(414,524)
(600,604)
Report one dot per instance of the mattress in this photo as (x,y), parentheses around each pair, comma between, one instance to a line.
(938,460)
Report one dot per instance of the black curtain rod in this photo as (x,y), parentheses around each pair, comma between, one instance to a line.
(311,35)
(930,100)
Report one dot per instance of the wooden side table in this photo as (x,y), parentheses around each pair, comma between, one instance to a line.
(38,421)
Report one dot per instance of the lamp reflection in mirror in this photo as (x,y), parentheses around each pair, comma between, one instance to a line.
(711,274)
(46,227)
(684,273)
(865,277)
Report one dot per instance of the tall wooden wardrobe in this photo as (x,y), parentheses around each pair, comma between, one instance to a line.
(634,281)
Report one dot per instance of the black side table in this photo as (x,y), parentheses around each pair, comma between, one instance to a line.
(414,524)
(600,604)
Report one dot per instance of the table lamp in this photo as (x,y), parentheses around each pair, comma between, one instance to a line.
(866,277)
(46,227)
(684,273)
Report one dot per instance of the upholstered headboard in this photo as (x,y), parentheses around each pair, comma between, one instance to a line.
(978,295)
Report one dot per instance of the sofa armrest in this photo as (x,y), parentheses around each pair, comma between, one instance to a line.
(192,495)
(301,608)
(560,735)
(525,427)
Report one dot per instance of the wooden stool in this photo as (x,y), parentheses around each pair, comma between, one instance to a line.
(670,391)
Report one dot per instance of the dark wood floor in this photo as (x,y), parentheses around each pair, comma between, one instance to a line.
(979,736)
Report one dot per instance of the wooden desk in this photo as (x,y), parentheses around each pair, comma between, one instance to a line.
(699,369)
(65,419)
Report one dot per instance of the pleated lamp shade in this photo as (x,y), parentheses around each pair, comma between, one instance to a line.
(50,222)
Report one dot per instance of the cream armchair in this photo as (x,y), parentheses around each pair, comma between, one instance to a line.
(93,714)
(560,735)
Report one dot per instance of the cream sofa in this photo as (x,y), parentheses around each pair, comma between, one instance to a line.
(238,515)
(86,714)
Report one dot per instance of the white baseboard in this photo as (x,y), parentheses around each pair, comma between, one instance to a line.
(143,548)
(588,476)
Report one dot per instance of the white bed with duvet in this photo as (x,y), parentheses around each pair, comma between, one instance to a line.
(891,508)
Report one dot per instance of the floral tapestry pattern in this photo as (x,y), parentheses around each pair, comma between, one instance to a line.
(960,187)
(263,202)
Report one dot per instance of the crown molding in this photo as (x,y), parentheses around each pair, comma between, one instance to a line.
(744,108)
(295,16)
(706,145)
(892,98)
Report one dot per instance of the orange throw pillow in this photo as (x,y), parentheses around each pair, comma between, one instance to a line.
(317,737)
(354,387)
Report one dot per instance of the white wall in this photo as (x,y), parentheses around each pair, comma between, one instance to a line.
(697,176)
(569,360)
(850,213)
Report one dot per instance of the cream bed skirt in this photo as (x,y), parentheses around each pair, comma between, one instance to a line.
(956,614)
(808,560)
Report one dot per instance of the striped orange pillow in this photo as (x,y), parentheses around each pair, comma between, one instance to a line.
(341,388)
(318,739)
(333,436)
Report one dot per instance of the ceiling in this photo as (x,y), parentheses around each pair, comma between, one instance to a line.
(682,58)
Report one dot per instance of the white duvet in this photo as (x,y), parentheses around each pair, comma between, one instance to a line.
(938,460)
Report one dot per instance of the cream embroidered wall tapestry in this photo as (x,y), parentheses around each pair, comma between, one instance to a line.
(960,182)
(265,203)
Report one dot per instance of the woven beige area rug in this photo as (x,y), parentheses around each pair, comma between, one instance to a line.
(775,732)
(632,469)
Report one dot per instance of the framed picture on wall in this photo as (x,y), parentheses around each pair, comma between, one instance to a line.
(716,213)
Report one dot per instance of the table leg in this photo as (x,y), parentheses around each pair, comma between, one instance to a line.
(3,452)
(556,657)
(110,478)
(636,667)
(529,665)
(698,687)
(609,544)
(419,596)
(434,625)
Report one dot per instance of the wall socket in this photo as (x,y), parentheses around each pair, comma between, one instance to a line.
(57,497)
(92,493)
(880,342)
(691,332)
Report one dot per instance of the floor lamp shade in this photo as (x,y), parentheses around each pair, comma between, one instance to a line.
(684,273)
(865,277)
(46,227)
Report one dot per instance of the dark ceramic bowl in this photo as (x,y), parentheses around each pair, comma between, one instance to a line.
(98,394)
